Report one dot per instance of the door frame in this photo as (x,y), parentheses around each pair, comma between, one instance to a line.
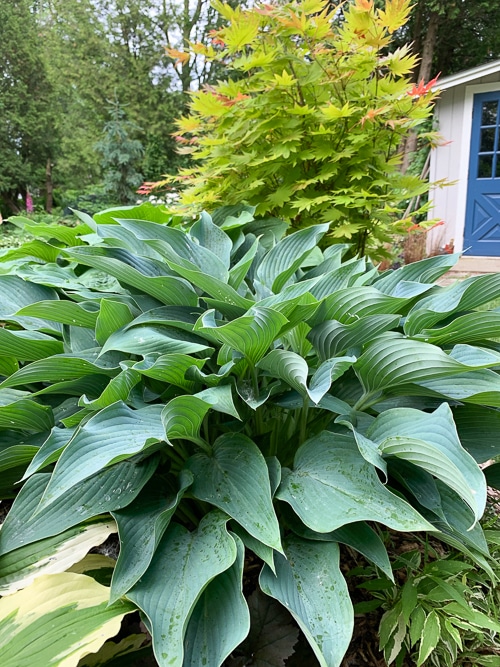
(465,141)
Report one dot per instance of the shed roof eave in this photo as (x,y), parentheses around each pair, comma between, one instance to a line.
(467,75)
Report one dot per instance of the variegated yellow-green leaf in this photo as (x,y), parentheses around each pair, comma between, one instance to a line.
(57,620)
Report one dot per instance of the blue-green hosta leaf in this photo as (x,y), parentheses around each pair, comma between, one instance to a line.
(143,340)
(57,620)
(112,316)
(431,442)
(251,334)
(212,238)
(220,398)
(465,329)
(459,297)
(28,345)
(184,564)
(353,303)
(16,455)
(119,237)
(235,478)
(239,271)
(67,312)
(309,583)
(426,271)
(19,412)
(338,279)
(358,536)
(293,369)
(31,250)
(141,526)
(456,519)
(287,366)
(92,385)
(118,389)
(167,289)
(67,235)
(220,620)
(17,293)
(170,368)
(8,366)
(391,362)
(173,243)
(475,357)
(113,434)
(52,555)
(329,472)
(194,374)
(479,431)
(182,418)
(481,387)
(327,373)
(112,488)
(214,287)
(50,449)
(280,263)
(180,317)
(63,367)
(263,551)
(332,338)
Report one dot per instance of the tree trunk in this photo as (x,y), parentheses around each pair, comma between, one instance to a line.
(424,73)
(49,187)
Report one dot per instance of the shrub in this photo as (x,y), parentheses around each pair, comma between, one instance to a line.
(237,405)
(308,127)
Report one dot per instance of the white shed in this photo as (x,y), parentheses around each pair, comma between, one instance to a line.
(468,118)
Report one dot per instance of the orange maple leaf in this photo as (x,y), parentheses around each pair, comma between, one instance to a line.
(423,88)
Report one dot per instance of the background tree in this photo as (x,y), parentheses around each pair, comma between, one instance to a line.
(28,136)
(121,154)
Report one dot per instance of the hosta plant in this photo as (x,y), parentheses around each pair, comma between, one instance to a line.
(237,405)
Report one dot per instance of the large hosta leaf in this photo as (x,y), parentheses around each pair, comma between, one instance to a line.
(332,338)
(170,368)
(461,296)
(235,478)
(350,304)
(479,431)
(251,334)
(480,387)
(141,526)
(431,442)
(111,489)
(67,312)
(18,411)
(426,271)
(285,258)
(332,485)
(220,620)
(52,555)
(309,583)
(166,289)
(63,367)
(293,369)
(184,564)
(57,620)
(28,345)
(389,362)
(466,329)
(114,434)
(143,340)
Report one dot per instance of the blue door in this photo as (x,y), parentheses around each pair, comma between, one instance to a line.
(482,217)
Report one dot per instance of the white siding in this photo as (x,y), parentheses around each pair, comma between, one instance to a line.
(450,161)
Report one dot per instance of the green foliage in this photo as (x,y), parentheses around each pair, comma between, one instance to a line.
(237,402)
(445,612)
(120,156)
(309,127)
(28,135)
